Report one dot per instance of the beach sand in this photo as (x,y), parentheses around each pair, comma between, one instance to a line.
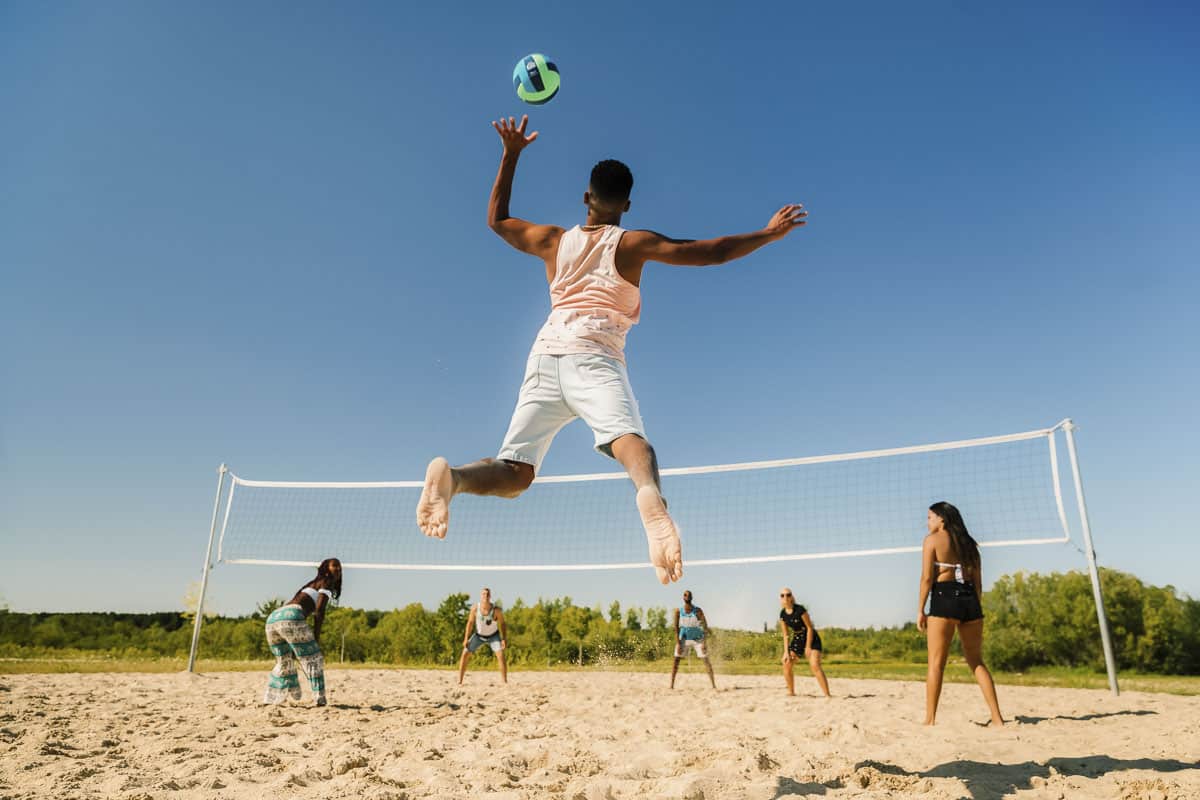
(403,734)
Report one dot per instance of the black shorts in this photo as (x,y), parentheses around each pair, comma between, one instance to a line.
(952,600)
(797,644)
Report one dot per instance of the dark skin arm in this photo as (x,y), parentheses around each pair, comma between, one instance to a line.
(319,615)
(638,247)
(528,237)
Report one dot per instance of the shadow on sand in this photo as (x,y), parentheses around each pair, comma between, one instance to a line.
(987,781)
(1085,717)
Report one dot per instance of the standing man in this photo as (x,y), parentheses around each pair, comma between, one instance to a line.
(691,629)
(485,625)
(576,367)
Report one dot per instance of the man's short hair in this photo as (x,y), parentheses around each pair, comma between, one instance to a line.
(611,182)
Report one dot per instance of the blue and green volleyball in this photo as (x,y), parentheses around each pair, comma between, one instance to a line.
(536,79)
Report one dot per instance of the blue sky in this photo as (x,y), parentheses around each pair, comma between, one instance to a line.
(256,235)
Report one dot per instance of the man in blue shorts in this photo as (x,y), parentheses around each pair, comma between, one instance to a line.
(485,625)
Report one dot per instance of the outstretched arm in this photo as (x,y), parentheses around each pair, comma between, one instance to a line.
(538,240)
(643,246)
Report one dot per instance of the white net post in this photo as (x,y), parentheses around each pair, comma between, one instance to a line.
(1110,663)
(212,532)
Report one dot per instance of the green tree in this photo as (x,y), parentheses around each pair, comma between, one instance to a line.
(451,619)
(631,620)
(573,626)
(656,619)
(264,609)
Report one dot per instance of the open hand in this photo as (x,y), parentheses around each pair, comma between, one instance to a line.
(513,135)
(785,219)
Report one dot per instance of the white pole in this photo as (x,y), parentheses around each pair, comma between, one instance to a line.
(212,532)
(1090,552)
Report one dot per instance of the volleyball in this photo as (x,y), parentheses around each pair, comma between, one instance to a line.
(536,79)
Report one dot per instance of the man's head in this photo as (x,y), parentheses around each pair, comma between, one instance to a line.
(609,188)
(485,595)
(687,597)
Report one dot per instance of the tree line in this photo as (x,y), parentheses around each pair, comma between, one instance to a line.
(1032,620)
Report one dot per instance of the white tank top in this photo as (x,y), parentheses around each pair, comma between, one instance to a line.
(591,306)
(486,625)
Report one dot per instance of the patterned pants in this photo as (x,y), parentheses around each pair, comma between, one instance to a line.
(291,639)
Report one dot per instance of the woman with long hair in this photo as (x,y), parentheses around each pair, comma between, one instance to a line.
(952,580)
(800,641)
(291,639)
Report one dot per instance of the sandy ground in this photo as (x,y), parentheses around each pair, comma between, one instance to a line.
(393,735)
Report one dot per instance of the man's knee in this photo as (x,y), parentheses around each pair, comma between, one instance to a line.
(523,475)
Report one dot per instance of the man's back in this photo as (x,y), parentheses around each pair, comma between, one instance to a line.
(591,306)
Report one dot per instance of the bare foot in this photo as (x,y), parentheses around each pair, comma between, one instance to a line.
(433,509)
(663,537)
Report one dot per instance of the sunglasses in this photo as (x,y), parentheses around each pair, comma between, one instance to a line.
(786,594)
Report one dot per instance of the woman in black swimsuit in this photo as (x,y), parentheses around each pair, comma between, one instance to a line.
(803,642)
(951,558)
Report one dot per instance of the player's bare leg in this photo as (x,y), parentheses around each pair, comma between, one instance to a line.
(637,456)
(487,477)
(462,665)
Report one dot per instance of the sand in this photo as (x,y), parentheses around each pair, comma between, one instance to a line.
(389,735)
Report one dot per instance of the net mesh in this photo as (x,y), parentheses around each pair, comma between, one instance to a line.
(855,504)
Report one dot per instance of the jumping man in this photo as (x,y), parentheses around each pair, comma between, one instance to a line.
(576,367)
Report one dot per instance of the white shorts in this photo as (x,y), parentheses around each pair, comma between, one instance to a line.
(681,646)
(556,390)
